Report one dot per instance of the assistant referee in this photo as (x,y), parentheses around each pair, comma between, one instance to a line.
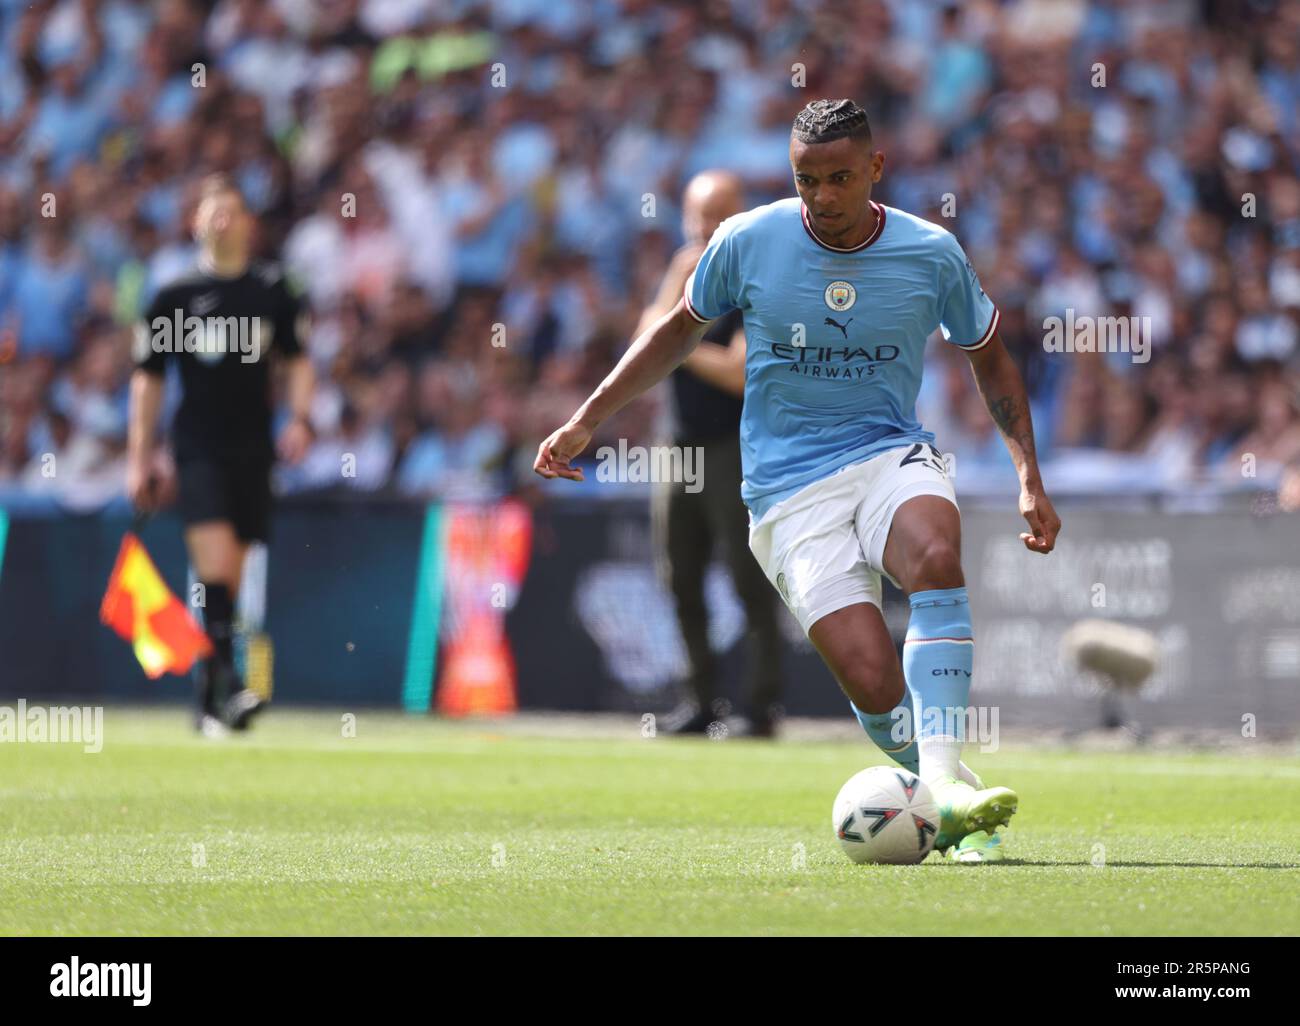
(220,325)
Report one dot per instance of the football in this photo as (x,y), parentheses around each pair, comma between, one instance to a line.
(885,814)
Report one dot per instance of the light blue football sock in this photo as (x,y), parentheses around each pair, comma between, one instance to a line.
(880,728)
(938,655)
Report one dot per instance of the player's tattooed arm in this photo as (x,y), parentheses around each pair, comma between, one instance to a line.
(1003,390)
(1011,415)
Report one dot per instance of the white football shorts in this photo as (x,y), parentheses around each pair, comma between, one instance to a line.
(823,548)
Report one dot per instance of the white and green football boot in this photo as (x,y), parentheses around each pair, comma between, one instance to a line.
(965,810)
(980,846)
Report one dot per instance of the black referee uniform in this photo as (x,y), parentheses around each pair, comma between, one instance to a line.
(221,436)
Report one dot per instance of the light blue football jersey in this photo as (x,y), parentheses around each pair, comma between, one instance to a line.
(835,337)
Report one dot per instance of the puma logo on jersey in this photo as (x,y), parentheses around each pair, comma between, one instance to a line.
(844,328)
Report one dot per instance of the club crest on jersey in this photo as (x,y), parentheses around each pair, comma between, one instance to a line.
(840,295)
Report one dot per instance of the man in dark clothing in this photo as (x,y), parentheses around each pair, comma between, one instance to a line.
(688,521)
(220,324)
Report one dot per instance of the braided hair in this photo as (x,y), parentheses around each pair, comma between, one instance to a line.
(824,121)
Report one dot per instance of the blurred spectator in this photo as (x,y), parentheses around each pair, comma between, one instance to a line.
(459,457)
(49,292)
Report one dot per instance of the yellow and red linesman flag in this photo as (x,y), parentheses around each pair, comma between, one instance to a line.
(140,607)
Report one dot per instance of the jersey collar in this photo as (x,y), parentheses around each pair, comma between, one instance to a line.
(880,227)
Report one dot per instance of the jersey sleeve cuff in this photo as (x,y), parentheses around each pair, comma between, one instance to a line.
(988,333)
(686,296)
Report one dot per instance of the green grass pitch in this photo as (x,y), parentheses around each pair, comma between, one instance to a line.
(431,827)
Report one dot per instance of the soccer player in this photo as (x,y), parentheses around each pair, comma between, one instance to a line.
(839,294)
(220,324)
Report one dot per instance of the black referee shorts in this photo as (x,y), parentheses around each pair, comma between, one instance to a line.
(220,490)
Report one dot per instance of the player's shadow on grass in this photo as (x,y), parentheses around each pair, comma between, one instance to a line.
(1125,864)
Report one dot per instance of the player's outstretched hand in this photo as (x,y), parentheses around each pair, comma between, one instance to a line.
(554,454)
(1044,524)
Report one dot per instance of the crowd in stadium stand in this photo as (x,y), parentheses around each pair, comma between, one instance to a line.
(477,199)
